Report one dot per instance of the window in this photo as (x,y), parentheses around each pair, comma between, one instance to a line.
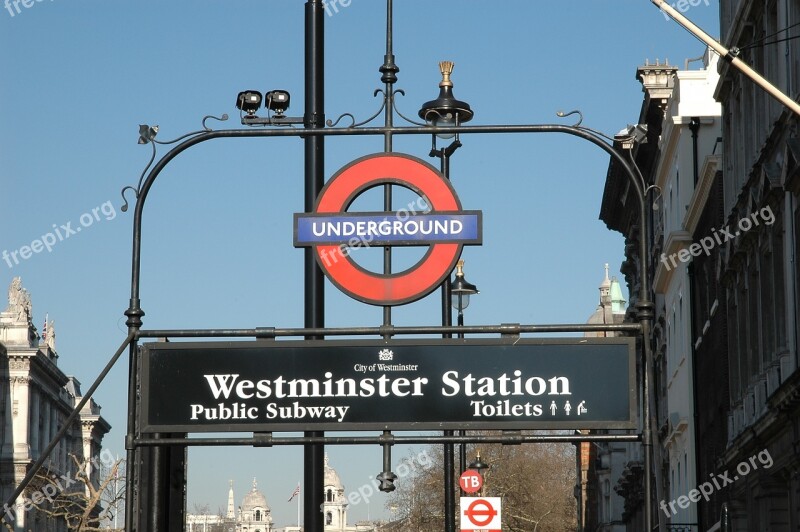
(779,287)
(686,470)
(754,324)
(741,307)
(329,496)
(258,515)
(328,518)
(672,487)
(767,298)
(682,328)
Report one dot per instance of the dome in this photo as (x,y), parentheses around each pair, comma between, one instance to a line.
(600,317)
(254,499)
(331,476)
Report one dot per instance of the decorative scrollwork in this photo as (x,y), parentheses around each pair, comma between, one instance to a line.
(222,118)
(562,114)
(401,92)
(333,123)
(353,123)
(147,135)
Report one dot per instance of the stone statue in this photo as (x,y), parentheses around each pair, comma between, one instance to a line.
(50,339)
(19,301)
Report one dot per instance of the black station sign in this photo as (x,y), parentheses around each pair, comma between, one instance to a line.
(507,383)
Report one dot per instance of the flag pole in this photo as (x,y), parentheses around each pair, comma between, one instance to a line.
(729,55)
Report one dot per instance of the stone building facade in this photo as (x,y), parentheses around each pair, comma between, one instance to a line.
(678,157)
(758,272)
(36,397)
(743,293)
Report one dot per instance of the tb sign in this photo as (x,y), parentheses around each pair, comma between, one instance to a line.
(471,481)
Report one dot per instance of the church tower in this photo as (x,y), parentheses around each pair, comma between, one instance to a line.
(611,309)
(231,514)
(335,505)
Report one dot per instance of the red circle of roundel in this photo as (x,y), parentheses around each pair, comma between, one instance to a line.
(397,288)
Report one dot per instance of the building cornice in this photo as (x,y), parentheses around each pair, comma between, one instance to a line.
(701,191)
(676,241)
(669,141)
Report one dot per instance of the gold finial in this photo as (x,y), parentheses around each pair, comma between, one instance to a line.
(460,268)
(446,68)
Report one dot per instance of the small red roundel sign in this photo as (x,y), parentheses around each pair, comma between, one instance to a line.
(437,221)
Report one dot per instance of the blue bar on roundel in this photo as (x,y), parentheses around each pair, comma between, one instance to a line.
(388,228)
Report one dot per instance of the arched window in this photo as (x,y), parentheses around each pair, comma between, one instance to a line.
(258,516)
(329,496)
(328,518)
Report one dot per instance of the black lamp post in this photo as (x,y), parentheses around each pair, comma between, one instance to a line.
(446,110)
(480,466)
(460,291)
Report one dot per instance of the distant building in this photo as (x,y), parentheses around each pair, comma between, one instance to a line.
(254,514)
(600,465)
(678,159)
(611,309)
(36,397)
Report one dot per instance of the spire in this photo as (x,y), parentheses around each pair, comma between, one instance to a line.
(231,505)
(605,288)
(617,300)
(255,484)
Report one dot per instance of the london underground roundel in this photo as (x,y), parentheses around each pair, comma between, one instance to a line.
(438,222)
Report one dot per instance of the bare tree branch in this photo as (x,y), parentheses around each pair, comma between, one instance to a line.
(76,498)
(535,481)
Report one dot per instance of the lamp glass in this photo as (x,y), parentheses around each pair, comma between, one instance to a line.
(460,300)
(446,120)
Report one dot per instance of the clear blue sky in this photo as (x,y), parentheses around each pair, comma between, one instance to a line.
(80,76)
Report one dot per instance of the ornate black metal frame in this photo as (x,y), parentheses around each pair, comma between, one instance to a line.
(284,127)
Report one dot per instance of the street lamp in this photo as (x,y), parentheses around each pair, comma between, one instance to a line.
(460,291)
(445,110)
(480,466)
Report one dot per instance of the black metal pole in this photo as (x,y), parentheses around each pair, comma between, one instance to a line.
(314,454)
(694,127)
(447,319)
(389,71)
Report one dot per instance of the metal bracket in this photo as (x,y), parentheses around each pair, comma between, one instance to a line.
(262,439)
